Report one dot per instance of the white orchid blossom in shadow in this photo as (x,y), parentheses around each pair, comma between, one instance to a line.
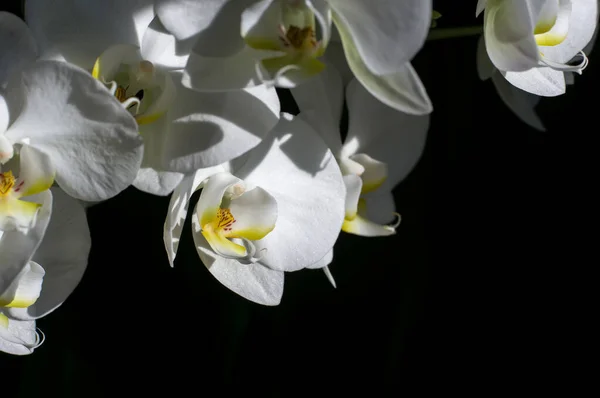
(533,43)
(61,111)
(140,64)
(262,216)
(281,42)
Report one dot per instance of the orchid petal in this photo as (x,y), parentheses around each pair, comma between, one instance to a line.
(17,247)
(542,81)
(64,255)
(18,337)
(36,175)
(581,27)
(253,281)
(162,48)
(321,101)
(401,89)
(36,172)
(324,262)
(393,137)
(375,172)
(178,208)
(380,206)
(234,72)
(207,129)
(353,185)
(385,36)
(187,18)
(255,213)
(6,148)
(74,120)
(520,102)
(335,56)
(79,30)
(480,7)
(485,67)
(508,32)
(108,62)
(18,47)
(25,288)
(295,166)
(160,183)
(360,225)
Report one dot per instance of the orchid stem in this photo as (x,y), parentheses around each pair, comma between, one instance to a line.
(451,33)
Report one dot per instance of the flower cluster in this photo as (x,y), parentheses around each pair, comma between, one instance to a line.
(179,96)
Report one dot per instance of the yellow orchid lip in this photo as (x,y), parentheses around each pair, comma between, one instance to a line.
(13,211)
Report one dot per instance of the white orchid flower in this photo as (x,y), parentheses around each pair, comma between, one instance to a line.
(280,210)
(40,264)
(533,42)
(279,45)
(183,130)
(63,112)
(381,148)
(520,102)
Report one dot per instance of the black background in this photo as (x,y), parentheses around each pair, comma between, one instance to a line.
(465,298)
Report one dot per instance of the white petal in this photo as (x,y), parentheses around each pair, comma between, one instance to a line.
(36,172)
(74,119)
(520,102)
(295,166)
(387,35)
(178,208)
(321,100)
(18,47)
(207,129)
(24,289)
(335,56)
(380,206)
(79,30)
(324,262)
(162,48)
(18,337)
(6,148)
(375,172)
(260,20)
(234,72)
(18,247)
(480,7)
(401,89)
(542,81)
(187,18)
(362,226)
(254,282)
(108,62)
(353,185)
(64,255)
(255,214)
(393,137)
(581,26)
(508,31)
(485,67)
(160,183)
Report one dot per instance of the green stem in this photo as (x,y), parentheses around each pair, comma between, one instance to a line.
(451,33)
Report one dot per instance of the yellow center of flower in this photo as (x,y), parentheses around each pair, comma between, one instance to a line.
(7,182)
(299,38)
(224,219)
